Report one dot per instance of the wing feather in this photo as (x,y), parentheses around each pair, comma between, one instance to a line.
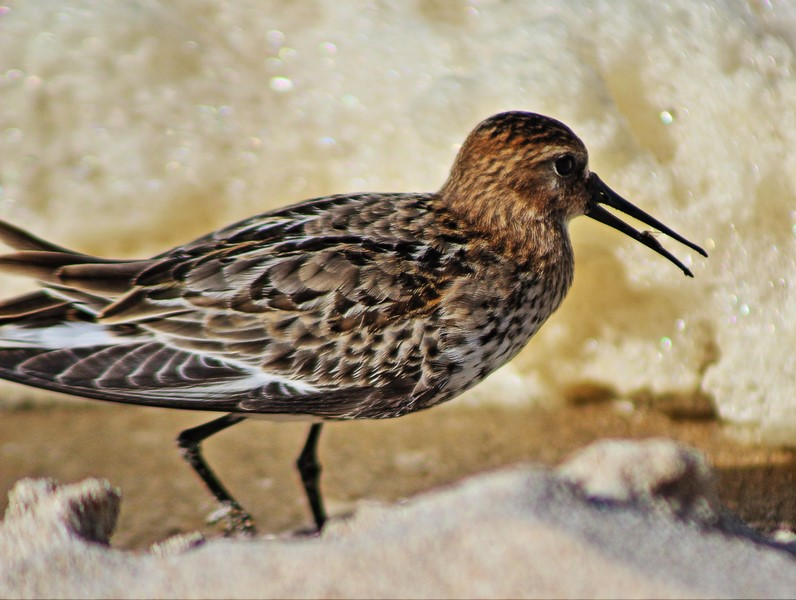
(320,309)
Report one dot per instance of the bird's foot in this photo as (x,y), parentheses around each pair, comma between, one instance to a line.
(307,532)
(237,522)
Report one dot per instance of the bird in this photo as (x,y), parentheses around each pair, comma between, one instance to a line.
(349,306)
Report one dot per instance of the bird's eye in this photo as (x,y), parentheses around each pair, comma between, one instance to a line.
(564,165)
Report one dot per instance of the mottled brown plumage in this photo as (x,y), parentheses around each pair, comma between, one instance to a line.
(348,306)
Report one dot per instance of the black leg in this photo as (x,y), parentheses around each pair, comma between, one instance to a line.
(189,441)
(310,471)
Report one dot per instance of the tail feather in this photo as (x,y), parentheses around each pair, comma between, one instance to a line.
(81,300)
(80,271)
(20,239)
(43,266)
(106,277)
(32,305)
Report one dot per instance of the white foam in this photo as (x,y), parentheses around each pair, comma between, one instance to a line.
(163,122)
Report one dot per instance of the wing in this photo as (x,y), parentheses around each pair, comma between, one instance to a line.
(324,309)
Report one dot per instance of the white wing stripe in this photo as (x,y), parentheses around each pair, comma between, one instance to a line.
(63,335)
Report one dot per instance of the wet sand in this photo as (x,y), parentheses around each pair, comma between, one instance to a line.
(382,461)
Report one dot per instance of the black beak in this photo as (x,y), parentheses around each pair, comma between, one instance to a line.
(602,194)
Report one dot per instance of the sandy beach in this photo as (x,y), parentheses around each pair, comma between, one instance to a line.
(363,461)
(622,518)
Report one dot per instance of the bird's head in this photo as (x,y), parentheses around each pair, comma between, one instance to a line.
(517,170)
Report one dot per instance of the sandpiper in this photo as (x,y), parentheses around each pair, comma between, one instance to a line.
(354,306)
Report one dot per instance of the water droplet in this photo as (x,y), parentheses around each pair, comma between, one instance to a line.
(666,343)
(666,117)
(350,101)
(12,134)
(623,406)
(275,37)
(287,53)
(297,184)
(281,84)
(273,63)
(32,82)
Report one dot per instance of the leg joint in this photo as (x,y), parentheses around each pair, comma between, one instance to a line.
(308,466)
(185,442)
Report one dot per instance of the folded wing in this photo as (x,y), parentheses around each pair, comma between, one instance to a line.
(267,317)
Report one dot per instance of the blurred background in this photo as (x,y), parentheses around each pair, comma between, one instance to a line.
(130,127)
